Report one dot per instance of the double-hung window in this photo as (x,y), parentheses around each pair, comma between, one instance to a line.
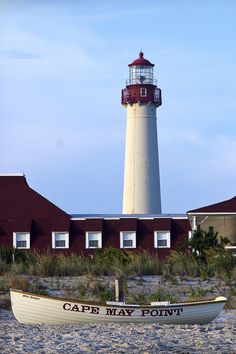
(60,240)
(21,240)
(162,239)
(93,239)
(128,239)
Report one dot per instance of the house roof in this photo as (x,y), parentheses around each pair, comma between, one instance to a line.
(20,202)
(128,216)
(226,206)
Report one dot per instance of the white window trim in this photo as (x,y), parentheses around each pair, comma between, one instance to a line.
(27,239)
(54,239)
(156,237)
(122,239)
(99,233)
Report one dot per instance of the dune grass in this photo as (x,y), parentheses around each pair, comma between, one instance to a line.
(115,262)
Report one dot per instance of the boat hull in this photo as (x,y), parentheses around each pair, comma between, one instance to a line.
(30,308)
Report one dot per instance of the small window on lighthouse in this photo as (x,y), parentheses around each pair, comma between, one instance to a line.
(143,92)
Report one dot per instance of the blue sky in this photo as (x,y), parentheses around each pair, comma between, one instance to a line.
(63,64)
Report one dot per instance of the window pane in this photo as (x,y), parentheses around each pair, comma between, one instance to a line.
(59,236)
(20,244)
(162,243)
(128,243)
(162,235)
(21,237)
(60,243)
(128,235)
(93,243)
(93,236)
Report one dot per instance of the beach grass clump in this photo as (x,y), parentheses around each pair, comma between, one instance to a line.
(49,265)
(6,254)
(196,293)
(3,267)
(3,285)
(19,282)
(46,265)
(90,287)
(223,263)
(112,261)
(141,297)
(72,265)
(182,264)
(143,263)
(162,295)
(108,261)
(137,298)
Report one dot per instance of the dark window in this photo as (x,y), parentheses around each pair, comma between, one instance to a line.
(143,92)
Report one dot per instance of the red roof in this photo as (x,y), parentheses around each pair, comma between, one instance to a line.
(226,206)
(141,61)
(19,203)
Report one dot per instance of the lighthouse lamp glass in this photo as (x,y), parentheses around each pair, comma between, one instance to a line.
(141,74)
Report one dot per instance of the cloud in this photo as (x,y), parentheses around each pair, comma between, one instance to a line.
(19,54)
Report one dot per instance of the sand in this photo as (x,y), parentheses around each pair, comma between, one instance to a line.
(217,337)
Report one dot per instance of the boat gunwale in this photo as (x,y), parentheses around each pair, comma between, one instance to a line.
(94,303)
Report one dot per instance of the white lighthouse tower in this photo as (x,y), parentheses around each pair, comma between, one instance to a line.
(141,97)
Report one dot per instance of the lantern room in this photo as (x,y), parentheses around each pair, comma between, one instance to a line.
(141,72)
(141,87)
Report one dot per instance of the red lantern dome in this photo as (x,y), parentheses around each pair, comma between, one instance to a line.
(141,61)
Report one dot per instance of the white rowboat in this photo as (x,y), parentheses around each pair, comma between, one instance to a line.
(31,308)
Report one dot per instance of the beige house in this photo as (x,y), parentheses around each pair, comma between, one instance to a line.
(221,216)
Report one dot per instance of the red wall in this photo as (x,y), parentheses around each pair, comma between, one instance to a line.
(24,210)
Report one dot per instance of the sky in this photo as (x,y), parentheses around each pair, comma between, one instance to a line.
(62,67)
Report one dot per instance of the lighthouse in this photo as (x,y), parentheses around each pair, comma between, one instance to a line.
(141,97)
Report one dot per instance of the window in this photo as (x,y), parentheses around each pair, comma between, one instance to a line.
(128,239)
(93,239)
(162,239)
(21,240)
(143,92)
(60,240)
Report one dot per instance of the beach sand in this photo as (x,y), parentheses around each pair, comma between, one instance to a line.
(217,337)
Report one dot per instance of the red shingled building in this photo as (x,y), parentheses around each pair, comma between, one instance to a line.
(30,221)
